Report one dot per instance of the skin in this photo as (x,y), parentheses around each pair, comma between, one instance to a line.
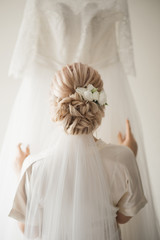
(20,157)
(126,140)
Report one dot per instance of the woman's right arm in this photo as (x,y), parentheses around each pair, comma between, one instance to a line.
(20,157)
(21,226)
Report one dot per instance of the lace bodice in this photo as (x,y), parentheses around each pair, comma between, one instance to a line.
(54,33)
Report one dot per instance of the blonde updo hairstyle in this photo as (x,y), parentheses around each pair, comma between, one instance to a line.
(77,115)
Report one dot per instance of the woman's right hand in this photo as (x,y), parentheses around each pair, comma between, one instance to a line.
(128,140)
(20,157)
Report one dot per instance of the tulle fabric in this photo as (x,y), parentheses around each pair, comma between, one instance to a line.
(68,195)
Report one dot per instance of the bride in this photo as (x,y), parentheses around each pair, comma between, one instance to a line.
(81,187)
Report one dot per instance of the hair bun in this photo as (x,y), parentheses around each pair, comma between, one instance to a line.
(77,115)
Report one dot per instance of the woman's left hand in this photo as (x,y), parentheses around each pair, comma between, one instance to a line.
(20,157)
(128,140)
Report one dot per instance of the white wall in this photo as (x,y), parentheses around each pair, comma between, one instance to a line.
(145,24)
(11,13)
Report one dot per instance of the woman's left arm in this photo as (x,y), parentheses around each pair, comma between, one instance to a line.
(21,226)
(128,140)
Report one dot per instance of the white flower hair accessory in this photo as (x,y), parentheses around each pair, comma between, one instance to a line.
(91,93)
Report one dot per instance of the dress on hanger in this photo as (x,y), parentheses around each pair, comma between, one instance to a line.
(56,33)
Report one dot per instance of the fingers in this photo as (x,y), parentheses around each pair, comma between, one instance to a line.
(128,129)
(128,134)
(19,147)
(27,150)
(120,138)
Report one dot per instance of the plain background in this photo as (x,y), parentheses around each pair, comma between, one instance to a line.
(145,26)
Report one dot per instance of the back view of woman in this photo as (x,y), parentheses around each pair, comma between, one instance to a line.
(80,188)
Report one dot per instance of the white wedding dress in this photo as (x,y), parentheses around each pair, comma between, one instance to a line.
(54,33)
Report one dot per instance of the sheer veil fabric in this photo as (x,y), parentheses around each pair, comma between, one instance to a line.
(53,34)
(68,196)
